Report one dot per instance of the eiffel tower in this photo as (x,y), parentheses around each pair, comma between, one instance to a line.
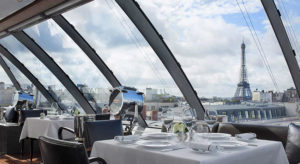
(243,91)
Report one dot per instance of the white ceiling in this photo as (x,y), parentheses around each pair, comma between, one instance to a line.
(8,7)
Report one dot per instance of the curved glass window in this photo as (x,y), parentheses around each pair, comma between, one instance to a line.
(73,61)
(50,82)
(5,81)
(39,100)
(23,81)
(207,39)
(7,90)
(117,41)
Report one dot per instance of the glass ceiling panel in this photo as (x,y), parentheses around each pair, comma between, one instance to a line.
(50,82)
(73,61)
(117,41)
(27,86)
(206,38)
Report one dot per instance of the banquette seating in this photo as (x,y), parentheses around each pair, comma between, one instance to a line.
(289,136)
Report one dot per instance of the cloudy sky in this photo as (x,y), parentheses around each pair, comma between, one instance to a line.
(204,35)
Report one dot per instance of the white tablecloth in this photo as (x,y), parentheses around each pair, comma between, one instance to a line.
(36,127)
(267,152)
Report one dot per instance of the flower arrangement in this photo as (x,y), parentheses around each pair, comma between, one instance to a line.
(179,128)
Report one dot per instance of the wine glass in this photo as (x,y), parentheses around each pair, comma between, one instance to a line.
(189,121)
(54,107)
(211,116)
(167,119)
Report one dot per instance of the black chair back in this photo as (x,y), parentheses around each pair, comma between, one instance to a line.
(101,130)
(30,113)
(62,152)
(102,117)
(292,147)
(11,115)
(20,104)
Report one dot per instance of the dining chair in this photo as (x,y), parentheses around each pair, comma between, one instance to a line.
(102,117)
(69,130)
(11,115)
(292,147)
(101,130)
(62,152)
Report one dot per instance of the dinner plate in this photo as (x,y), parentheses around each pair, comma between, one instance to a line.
(127,139)
(54,117)
(246,140)
(230,144)
(154,144)
(215,136)
(68,118)
(159,136)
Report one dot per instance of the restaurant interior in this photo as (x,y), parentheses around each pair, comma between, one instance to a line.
(59,48)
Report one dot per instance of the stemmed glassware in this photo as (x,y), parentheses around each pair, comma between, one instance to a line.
(211,117)
(189,121)
(167,120)
(55,108)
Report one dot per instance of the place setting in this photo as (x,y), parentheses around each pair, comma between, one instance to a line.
(188,133)
(159,141)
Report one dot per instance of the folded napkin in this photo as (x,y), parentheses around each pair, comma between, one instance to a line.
(125,139)
(246,136)
(204,146)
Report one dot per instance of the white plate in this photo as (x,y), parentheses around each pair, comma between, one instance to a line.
(53,117)
(127,139)
(68,118)
(159,136)
(154,144)
(230,144)
(215,136)
(246,140)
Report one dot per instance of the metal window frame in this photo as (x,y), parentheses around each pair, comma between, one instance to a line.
(53,67)
(155,40)
(289,54)
(10,74)
(28,74)
(87,49)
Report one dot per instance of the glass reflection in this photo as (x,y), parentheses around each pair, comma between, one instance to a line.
(40,71)
(39,100)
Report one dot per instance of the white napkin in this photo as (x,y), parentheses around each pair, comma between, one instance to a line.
(246,136)
(204,146)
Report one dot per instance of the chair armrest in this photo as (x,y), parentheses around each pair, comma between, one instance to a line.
(60,130)
(97,159)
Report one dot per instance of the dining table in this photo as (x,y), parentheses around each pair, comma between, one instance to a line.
(34,127)
(258,152)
